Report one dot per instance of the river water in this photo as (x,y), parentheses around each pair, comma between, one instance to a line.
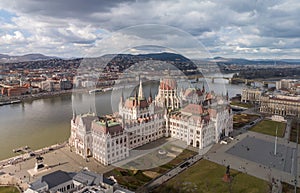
(44,122)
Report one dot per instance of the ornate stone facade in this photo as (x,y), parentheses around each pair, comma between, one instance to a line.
(139,121)
(280,105)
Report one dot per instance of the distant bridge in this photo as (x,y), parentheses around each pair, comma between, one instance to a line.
(240,80)
(244,80)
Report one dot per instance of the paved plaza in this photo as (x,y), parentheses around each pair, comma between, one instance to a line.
(262,152)
(253,153)
(153,154)
(61,159)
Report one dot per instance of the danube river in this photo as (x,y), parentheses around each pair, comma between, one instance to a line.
(44,122)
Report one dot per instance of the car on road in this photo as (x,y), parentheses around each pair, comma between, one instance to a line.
(184,164)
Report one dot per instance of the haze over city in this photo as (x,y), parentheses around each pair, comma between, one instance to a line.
(240,29)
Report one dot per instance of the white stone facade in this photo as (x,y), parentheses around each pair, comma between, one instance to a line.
(251,95)
(280,105)
(167,94)
(105,140)
(139,121)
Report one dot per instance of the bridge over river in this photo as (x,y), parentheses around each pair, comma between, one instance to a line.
(232,80)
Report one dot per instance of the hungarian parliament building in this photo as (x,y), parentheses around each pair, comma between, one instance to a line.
(197,117)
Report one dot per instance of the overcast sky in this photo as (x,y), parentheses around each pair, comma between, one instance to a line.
(228,28)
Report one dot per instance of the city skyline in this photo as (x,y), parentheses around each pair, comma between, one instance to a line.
(255,29)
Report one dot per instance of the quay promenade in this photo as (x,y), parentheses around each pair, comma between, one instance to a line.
(30,155)
(60,157)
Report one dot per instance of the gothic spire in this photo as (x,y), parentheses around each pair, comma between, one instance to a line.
(106,123)
(141,95)
(227,96)
(150,96)
(123,121)
(74,114)
(136,94)
(136,98)
(122,97)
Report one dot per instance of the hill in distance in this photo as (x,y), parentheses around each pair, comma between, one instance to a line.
(164,56)
(4,58)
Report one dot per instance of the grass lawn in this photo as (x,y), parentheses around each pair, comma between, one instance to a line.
(134,179)
(240,104)
(293,134)
(240,120)
(206,177)
(8,189)
(269,127)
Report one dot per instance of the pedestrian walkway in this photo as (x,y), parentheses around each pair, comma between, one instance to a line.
(251,167)
(174,172)
(58,159)
(170,174)
(288,130)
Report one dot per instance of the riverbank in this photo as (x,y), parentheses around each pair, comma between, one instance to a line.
(26,156)
(43,95)
(46,121)
(62,158)
(10,181)
(5,100)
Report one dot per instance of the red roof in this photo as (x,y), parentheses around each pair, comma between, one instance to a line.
(193,109)
(133,102)
(168,84)
(112,130)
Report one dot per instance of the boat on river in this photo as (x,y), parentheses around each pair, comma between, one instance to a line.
(98,90)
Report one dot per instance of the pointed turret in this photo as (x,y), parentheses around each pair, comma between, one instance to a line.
(136,98)
(136,94)
(150,97)
(141,95)
(122,98)
(123,121)
(106,123)
(74,115)
(227,96)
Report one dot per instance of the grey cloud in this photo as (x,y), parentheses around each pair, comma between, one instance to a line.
(65,8)
(220,25)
